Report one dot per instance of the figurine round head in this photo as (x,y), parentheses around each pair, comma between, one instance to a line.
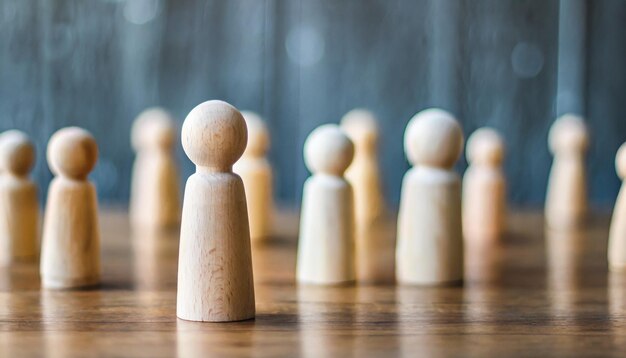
(328,150)
(17,153)
(362,128)
(72,153)
(153,128)
(433,138)
(620,161)
(485,146)
(214,135)
(568,134)
(258,135)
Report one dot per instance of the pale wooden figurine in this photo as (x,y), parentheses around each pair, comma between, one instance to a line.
(215,280)
(256,173)
(430,243)
(566,197)
(155,198)
(617,233)
(372,265)
(484,187)
(19,207)
(70,253)
(326,244)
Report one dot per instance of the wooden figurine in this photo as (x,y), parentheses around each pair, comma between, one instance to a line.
(256,173)
(484,188)
(364,175)
(155,198)
(617,233)
(566,198)
(430,242)
(19,207)
(326,244)
(70,253)
(215,280)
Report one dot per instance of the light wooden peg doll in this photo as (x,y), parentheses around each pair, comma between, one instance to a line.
(566,198)
(430,243)
(617,233)
(155,198)
(326,244)
(372,265)
(484,188)
(215,280)
(256,173)
(70,253)
(19,207)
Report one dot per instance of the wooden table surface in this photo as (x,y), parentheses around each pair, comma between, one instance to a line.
(537,294)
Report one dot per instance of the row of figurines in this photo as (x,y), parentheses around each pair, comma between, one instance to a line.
(340,219)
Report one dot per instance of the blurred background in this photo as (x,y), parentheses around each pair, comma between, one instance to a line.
(511,64)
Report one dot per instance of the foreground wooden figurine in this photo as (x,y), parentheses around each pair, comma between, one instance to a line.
(70,253)
(326,244)
(155,198)
(617,233)
(256,173)
(430,243)
(566,198)
(215,282)
(19,207)
(484,187)
(372,265)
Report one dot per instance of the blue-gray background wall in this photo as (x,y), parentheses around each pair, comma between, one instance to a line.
(510,64)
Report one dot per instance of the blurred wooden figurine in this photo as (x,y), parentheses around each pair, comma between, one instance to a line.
(326,245)
(256,173)
(70,253)
(215,280)
(372,266)
(484,188)
(19,207)
(566,198)
(155,198)
(430,242)
(617,233)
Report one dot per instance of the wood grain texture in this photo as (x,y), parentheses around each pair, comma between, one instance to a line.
(537,294)
(215,281)
(214,272)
